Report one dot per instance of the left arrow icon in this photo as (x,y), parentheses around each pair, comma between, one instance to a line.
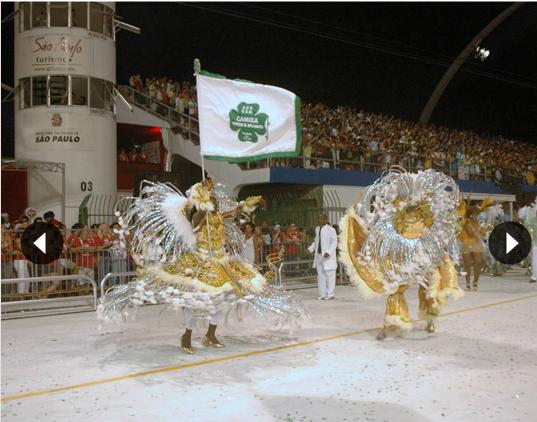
(41,243)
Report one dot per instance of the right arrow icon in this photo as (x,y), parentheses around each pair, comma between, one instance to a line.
(510,243)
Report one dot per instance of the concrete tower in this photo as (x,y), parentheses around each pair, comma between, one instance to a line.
(65,72)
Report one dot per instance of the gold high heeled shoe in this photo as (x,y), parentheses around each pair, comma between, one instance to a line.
(382,334)
(186,346)
(430,328)
(213,342)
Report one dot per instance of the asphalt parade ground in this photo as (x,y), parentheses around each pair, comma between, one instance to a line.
(480,365)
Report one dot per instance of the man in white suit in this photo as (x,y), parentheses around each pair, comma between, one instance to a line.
(531,224)
(325,259)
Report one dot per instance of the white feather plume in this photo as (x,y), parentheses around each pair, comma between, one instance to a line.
(158,214)
(173,207)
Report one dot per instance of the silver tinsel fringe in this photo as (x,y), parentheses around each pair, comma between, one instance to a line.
(274,304)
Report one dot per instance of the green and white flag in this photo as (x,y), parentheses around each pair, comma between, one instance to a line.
(243,121)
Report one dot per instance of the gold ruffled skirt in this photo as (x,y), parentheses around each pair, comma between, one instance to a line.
(203,286)
(195,271)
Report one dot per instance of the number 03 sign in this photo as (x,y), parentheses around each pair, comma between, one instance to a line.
(86,186)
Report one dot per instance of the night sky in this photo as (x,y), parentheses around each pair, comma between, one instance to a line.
(320,55)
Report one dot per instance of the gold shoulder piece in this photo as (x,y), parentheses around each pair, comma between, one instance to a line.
(352,238)
(252,202)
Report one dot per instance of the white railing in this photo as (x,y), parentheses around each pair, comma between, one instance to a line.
(188,125)
(38,307)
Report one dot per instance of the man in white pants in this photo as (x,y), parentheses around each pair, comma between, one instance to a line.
(325,259)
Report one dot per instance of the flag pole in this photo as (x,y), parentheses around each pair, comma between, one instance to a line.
(197,68)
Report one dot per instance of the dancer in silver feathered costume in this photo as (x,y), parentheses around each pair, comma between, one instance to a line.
(403,232)
(199,265)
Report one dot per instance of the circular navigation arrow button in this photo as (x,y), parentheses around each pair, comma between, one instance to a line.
(510,243)
(42,243)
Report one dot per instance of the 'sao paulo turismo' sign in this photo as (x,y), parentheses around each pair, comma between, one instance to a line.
(56,53)
(60,50)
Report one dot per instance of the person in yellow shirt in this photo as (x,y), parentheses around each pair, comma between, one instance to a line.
(307,155)
(427,163)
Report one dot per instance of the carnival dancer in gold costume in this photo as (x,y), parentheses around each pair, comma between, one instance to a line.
(403,232)
(471,237)
(202,269)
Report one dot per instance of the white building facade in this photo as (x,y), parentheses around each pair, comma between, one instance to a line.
(65,74)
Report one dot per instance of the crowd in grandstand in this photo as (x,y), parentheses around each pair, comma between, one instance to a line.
(180,96)
(348,139)
(376,140)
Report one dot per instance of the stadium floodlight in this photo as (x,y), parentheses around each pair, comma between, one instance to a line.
(481,53)
(127,27)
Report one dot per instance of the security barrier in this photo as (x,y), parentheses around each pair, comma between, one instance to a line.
(98,263)
(308,278)
(49,306)
(30,289)
(61,274)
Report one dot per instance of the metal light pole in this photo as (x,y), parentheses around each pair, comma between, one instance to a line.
(461,58)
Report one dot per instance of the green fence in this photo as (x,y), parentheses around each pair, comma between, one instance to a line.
(299,204)
(99,208)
